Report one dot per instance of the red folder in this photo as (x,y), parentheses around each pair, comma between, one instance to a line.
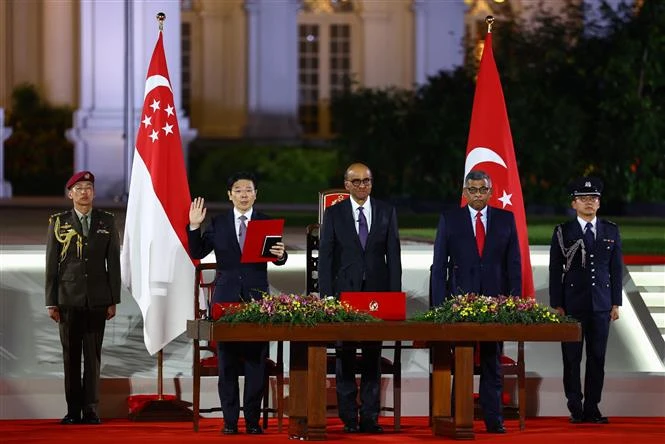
(260,235)
(386,305)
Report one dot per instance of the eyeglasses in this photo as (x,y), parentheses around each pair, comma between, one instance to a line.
(357,182)
(587,198)
(474,190)
(81,190)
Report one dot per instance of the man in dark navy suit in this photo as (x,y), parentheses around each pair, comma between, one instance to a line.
(586,275)
(476,251)
(359,251)
(235,282)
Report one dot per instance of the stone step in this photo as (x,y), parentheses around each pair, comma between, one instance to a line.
(648,278)
(659,319)
(654,299)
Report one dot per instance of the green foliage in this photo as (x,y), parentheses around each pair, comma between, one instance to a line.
(484,309)
(292,174)
(38,157)
(294,310)
(583,97)
(373,127)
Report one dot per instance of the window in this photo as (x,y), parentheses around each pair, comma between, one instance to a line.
(326,61)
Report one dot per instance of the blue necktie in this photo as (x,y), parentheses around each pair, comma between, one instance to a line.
(362,227)
(588,236)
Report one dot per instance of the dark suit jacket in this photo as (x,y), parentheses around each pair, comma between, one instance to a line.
(459,269)
(595,286)
(80,271)
(342,261)
(235,281)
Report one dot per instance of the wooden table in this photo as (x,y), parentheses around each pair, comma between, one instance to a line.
(307,372)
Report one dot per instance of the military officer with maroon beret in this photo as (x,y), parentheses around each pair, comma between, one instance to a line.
(82,289)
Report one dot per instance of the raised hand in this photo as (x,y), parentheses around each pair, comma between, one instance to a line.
(197,213)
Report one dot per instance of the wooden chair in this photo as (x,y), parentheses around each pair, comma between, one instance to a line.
(388,367)
(204,286)
(509,367)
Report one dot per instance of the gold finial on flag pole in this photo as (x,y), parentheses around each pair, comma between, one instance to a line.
(490,21)
(160,18)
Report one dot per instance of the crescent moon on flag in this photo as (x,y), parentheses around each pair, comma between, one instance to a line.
(479,155)
(153,82)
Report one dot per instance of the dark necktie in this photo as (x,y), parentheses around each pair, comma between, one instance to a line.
(362,227)
(480,233)
(588,236)
(242,230)
(84,225)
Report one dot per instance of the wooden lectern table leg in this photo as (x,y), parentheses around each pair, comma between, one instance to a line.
(443,424)
(440,392)
(196,404)
(298,390)
(316,387)
(464,391)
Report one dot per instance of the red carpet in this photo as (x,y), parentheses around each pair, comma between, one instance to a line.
(538,430)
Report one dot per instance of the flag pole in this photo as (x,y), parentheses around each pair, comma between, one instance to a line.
(160,407)
(161,17)
(490,21)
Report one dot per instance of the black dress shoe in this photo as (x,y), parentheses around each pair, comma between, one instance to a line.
(91,418)
(597,419)
(70,420)
(350,428)
(576,419)
(496,429)
(253,429)
(230,428)
(370,427)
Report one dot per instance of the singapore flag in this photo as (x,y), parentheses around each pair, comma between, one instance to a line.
(156,266)
(490,148)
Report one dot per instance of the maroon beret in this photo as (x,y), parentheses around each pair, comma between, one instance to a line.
(79,177)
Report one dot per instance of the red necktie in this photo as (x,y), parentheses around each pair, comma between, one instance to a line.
(480,233)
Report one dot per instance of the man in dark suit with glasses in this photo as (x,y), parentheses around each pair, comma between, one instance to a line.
(359,251)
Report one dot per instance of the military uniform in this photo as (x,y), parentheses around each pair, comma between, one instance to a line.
(586,281)
(82,281)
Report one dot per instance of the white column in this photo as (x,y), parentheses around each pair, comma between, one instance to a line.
(59,31)
(439,36)
(387,35)
(5,132)
(99,142)
(272,84)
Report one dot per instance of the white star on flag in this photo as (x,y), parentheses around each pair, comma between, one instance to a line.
(169,110)
(168,129)
(147,121)
(155,105)
(505,199)
(154,136)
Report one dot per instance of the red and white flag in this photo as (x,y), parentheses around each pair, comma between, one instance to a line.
(156,266)
(490,148)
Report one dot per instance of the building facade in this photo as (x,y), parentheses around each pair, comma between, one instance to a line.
(263,69)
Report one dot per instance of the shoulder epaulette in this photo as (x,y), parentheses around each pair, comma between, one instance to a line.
(62,213)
